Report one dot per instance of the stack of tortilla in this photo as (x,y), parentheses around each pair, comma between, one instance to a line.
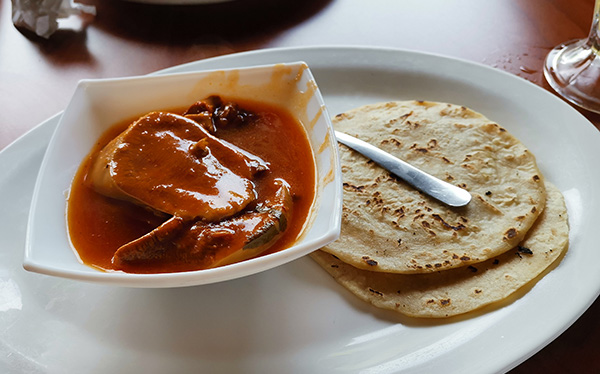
(403,250)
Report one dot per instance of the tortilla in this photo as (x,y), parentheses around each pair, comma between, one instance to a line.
(456,291)
(389,226)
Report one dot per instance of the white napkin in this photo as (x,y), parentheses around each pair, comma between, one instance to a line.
(41,16)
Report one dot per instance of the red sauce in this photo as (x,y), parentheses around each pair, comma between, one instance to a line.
(99,225)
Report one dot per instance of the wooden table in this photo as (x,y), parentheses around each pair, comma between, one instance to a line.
(37,76)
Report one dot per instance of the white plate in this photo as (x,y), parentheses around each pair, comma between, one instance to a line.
(295,318)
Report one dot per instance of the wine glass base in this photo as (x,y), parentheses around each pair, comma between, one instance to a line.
(573,70)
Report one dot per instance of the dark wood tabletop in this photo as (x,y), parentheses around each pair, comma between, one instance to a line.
(38,76)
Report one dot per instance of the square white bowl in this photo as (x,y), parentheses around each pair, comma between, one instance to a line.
(99,104)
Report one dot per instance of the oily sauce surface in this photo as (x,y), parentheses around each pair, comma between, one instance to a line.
(99,225)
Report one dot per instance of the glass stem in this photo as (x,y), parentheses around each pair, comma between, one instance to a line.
(594,36)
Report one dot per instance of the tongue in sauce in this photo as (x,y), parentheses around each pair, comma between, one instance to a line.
(171,164)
